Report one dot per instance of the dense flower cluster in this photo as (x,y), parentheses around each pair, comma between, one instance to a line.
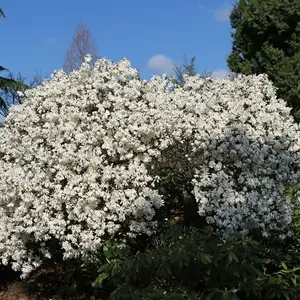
(81,157)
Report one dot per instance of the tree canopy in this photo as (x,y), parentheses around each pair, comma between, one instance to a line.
(266,39)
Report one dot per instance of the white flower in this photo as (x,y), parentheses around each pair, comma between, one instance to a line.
(88,58)
(85,154)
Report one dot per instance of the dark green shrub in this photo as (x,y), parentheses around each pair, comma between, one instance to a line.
(189,263)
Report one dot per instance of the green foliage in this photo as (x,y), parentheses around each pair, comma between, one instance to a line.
(188,263)
(6,86)
(266,39)
(7,83)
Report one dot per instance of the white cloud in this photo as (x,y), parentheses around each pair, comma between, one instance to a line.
(161,64)
(220,74)
(222,13)
(51,41)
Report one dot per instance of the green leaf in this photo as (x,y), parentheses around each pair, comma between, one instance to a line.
(284,265)
(285,295)
(104,268)
(108,252)
(206,259)
(230,257)
(100,279)
(10,83)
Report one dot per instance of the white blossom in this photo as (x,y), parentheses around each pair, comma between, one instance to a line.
(81,158)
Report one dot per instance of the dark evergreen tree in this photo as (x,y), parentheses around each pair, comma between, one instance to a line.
(266,39)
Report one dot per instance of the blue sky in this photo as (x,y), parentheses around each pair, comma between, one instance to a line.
(152,34)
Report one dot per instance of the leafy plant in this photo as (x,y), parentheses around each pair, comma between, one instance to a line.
(188,263)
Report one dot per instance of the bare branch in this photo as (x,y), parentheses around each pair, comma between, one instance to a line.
(36,80)
(188,67)
(82,44)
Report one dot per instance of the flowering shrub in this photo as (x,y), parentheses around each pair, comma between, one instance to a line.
(86,156)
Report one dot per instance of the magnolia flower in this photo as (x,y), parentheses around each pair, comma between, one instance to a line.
(85,155)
